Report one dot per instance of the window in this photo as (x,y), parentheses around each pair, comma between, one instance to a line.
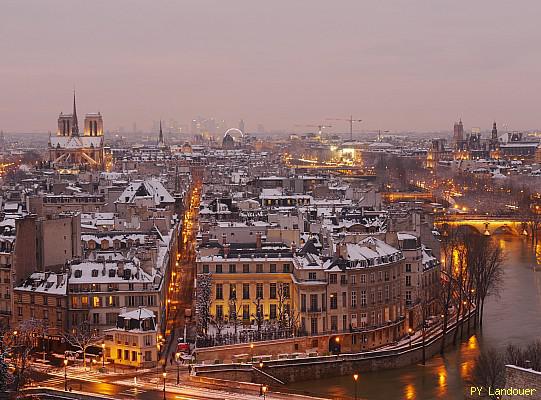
(95,318)
(332,278)
(219,312)
(259,268)
(232,291)
(408,297)
(94,273)
(232,269)
(272,311)
(218,268)
(148,356)
(219,291)
(58,316)
(334,301)
(246,312)
(20,311)
(353,299)
(59,302)
(273,268)
(206,268)
(312,276)
(344,322)
(259,290)
(273,290)
(286,268)
(303,302)
(45,300)
(363,278)
(353,279)
(245,291)
(344,299)
(313,326)
(408,267)
(334,323)
(134,355)
(408,280)
(313,303)
(343,280)
(32,299)
(372,277)
(245,268)
(380,295)
(387,292)
(386,275)
(373,296)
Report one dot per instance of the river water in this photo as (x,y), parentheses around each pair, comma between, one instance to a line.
(514,317)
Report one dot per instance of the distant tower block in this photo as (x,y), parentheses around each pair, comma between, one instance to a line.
(458,131)
(494,132)
(93,124)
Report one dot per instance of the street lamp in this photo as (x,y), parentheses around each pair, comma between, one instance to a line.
(264,389)
(355,378)
(251,352)
(178,368)
(103,356)
(164,374)
(65,375)
(261,365)
(410,331)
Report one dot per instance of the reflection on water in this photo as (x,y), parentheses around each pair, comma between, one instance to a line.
(514,317)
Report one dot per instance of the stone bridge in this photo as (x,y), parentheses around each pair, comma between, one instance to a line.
(483,224)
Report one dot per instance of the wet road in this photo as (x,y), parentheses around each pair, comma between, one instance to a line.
(514,317)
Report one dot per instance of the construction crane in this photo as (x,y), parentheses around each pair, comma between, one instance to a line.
(319,127)
(350,120)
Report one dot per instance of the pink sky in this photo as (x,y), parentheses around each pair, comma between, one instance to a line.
(398,65)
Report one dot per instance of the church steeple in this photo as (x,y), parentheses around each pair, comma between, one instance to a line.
(494,131)
(160,138)
(75,122)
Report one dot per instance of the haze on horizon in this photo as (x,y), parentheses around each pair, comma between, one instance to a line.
(398,65)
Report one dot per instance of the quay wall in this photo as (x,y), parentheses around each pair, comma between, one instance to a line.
(310,368)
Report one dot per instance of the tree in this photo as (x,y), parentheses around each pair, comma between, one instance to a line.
(5,375)
(258,316)
(82,338)
(485,266)
(489,371)
(21,342)
(203,302)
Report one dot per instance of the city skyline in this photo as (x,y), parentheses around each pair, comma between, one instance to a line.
(415,67)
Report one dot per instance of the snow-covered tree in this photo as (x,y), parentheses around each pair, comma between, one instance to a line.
(82,338)
(203,301)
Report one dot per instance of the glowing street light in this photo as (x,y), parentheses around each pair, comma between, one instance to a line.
(355,378)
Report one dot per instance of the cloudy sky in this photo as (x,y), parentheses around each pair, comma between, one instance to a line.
(398,65)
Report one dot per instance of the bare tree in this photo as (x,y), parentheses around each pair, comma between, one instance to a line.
(485,266)
(21,342)
(82,338)
(489,371)
(203,302)
(258,315)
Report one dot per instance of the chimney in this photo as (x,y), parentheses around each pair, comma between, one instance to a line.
(224,239)
(59,279)
(258,240)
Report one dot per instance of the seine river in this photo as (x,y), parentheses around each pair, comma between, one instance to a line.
(514,317)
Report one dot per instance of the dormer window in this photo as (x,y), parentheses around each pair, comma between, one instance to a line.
(95,273)
(112,273)
(78,273)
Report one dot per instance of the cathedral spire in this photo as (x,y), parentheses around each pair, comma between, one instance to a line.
(75,123)
(160,138)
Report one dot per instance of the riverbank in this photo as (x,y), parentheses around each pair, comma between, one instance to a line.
(286,371)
